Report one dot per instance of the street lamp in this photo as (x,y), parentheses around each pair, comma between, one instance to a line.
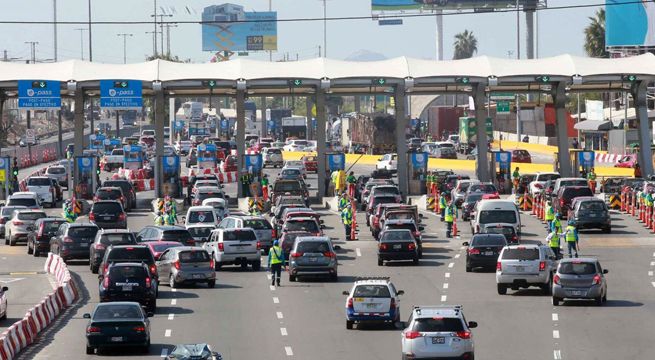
(125,35)
(81,30)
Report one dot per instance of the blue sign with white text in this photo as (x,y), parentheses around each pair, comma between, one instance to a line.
(171,164)
(39,94)
(420,160)
(253,162)
(336,161)
(206,152)
(504,159)
(121,94)
(586,158)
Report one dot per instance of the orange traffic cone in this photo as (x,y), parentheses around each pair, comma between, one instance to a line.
(454,227)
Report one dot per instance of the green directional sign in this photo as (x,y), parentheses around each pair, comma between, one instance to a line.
(295,82)
(209,83)
(543,78)
(462,80)
(380,82)
(629,78)
(502,107)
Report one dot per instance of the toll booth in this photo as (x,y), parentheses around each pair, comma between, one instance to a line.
(417,172)
(5,177)
(86,176)
(500,165)
(132,157)
(97,142)
(253,163)
(171,184)
(581,162)
(206,156)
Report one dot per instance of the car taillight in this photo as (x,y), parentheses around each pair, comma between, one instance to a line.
(177,265)
(259,245)
(41,229)
(16,222)
(148,282)
(212,263)
(417,234)
(542,265)
(596,280)
(153,269)
(538,186)
(105,282)
(411,246)
(515,238)
(121,216)
(221,247)
(392,304)
(296,254)
(412,335)
(477,228)
(99,246)
(474,252)
(383,247)
(464,334)
(68,239)
(350,303)
(92,330)
(556,279)
(92,216)
(122,198)
(329,254)
(499,267)
(104,270)
(376,221)
(139,328)
(561,202)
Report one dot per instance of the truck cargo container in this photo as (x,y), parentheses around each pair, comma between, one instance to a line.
(373,132)
(443,121)
(294,126)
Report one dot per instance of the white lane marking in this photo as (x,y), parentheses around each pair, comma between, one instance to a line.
(288,350)
(451,265)
(652,263)
(283,331)
(445,285)
(167,333)
(457,256)
(279,315)
(272,287)
(174,290)
(555,317)
(447,275)
(557,354)
(164,352)
(654,254)
(173,301)
(443,298)
(359,252)
(653,283)
(650,273)
(276,300)
(171,316)
(555,334)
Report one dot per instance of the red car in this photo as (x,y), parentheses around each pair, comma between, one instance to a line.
(521,156)
(310,163)
(628,161)
(230,164)
(158,247)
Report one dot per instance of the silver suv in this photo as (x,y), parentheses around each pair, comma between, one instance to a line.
(259,224)
(438,332)
(522,266)
(580,278)
(234,246)
(312,256)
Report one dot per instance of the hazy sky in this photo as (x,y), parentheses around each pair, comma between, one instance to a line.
(560,31)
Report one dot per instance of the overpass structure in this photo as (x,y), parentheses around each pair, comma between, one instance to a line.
(317,78)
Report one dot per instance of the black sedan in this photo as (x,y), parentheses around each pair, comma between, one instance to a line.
(397,245)
(117,324)
(38,239)
(483,250)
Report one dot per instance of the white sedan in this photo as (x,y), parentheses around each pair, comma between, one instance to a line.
(295,145)
(537,185)
(296,164)
(387,162)
(3,302)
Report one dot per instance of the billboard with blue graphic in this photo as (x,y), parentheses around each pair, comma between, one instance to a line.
(629,23)
(39,94)
(336,161)
(423,5)
(228,27)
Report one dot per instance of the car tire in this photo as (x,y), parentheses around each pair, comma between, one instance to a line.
(256,265)
(599,301)
(415,261)
(153,307)
(146,347)
(292,278)
(334,277)
(349,324)
(29,249)
(380,262)
(469,268)
(36,252)
(548,287)
(211,284)
(502,289)
(555,301)
(607,230)
(12,241)
(90,350)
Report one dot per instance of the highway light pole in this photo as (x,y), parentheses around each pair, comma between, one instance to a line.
(81,30)
(54,12)
(125,35)
(90,41)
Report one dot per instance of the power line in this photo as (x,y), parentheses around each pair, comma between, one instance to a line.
(340,18)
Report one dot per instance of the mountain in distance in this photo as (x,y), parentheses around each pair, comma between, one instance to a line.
(365,55)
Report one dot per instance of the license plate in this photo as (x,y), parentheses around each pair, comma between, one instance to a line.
(397,247)
(84,245)
(197,276)
(371,306)
(593,215)
(519,268)
(313,259)
(106,218)
(488,253)
(438,340)
(127,288)
(117,339)
(576,293)
(358,299)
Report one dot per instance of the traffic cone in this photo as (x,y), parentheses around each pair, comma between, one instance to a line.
(454,227)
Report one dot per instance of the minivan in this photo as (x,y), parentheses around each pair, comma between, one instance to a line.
(495,211)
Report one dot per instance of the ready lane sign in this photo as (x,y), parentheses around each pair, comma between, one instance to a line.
(121,94)
(39,94)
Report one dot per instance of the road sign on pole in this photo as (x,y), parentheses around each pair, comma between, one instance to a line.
(30,136)
(502,107)
(39,94)
(502,96)
(121,94)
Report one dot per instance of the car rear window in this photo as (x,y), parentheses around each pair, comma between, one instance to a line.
(497,216)
(274,151)
(396,236)
(259,224)
(108,207)
(130,253)
(239,235)
(488,241)
(109,194)
(287,186)
(306,225)
(121,184)
(180,235)
(201,217)
(592,206)
(162,247)
(399,216)
(194,256)
(51,226)
(31,216)
(410,227)
(471,198)
(546,177)
(383,200)
(56,170)
(289,238)
(204,196)
(313,247)
(577,268)
(122,273)
(82,231)
(38,182)
(386,190)
(201,232)
(574,193)
(122,311)
(521,254)
(7,210)
(291,172)
(372,291)
(483,188)
(27,202)
(438,324)
(504,230)
(118,239)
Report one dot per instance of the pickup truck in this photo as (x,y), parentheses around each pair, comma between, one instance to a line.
(42,187)
(113,161)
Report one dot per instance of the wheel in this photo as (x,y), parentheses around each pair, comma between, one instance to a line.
(256,265)
(171,282)
(292,278)
(153,306)
(211,284)
(548,287)
(380,262)
(415,261)
(334,277)
(555,301)
(90,350)
(605,298)
(94,268)
(36,252)
(146,347)
(599,301)
(607,230)
(349,324)
(502,289)
(469,268)
(29,249)
(12,241)
(244,265)
(53,204)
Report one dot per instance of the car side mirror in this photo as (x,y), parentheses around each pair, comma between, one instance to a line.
(139,239)
(421,228)
(271,214)
(465,243)
(4,288)
(150,314)
(345,293)
(86,316)
(605,271)
(322,227)
(421,216)
(400,292)
(473,324)
(226,197)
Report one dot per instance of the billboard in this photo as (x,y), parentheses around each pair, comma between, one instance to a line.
(230,28)
(629,23)
(420,5)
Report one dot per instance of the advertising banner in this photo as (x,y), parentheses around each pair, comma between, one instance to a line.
(253,162)
(504,160)
(422,5)
(629,23)
(228,27)
(586,158)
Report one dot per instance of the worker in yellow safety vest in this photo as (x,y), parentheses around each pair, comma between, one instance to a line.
(572,239)
(549,216)
(275,262)
(443,202)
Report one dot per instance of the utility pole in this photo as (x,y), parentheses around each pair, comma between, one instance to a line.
(90,39)
(154,33)
(518,32)
(270,52)
(81,30)
(161,30)
(125,35)
(168,38)
(32,50)
(324,28)
(154,42)
(54,12)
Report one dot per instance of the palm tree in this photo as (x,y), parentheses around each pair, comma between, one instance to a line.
(465,45)
(595,36)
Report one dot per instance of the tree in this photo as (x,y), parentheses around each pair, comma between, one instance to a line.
(595,36)
(465,45)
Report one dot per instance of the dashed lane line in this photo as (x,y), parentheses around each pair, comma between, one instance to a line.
(447,275)
(650,273)
(288,350)
(450,266)
(280,315)
(272,287)
(557,355)
(276,300)
(555,334)
(171,316)
(555,317)
(445,285)
(173,301)
(283,331)
(358,251)
(444,298)
(167,333)
(457,256)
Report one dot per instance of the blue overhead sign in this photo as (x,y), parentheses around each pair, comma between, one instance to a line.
(121,94)
(228,27)
(39,94)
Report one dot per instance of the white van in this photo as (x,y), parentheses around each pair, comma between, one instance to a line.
(495,211)
(201,215)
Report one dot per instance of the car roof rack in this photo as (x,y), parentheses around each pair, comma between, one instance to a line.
(363,278)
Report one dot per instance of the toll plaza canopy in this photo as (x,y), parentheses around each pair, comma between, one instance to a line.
(397,77)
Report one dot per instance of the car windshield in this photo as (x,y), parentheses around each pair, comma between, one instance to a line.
(372,291)
(200,232)
(122,311)
(28,202)
(312,247)
(193,256)
(107,208)
(180,235)
(396,236)
(123,273)
(290,172)
(577,268)
(239,235)
(438,324)
(497,216)
(118,239)
(503,230)
(82,232)
(592,206)
(488,241)
(56,170)
(521,253)
(162,247)
(38,182)
(306,225)
(287,186)
(7,210)
(30,216)
(258,224)
(201,216)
